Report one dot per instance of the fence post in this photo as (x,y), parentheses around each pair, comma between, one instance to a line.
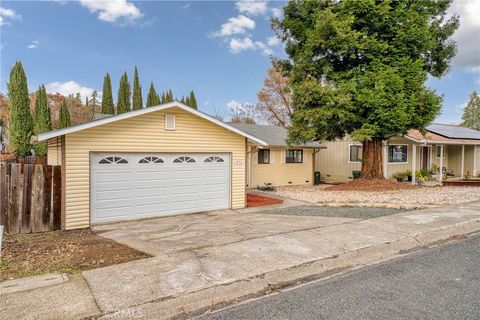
(27,198)
(15,201)
(4,196)
(57,197)
(38,200)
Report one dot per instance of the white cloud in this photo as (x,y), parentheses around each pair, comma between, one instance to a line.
(239,45)
(8,15)
(186,5)
(234,104)
(264,48)
(468,34)
(235,25)
(251,7)
(69,87)
(273,41)
(34,44)
(113,10)
(277,12)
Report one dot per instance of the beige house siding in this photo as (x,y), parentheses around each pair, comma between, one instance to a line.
(333,162)
(146,133)
(334,166)
(279,173)
(54,151)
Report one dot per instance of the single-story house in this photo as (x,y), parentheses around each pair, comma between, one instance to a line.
(277,164)
(451,147)
(167,159)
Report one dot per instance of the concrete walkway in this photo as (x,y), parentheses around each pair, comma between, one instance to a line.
(209,259)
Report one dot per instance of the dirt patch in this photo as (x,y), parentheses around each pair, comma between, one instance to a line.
(60,251)
(254,200)
(371,185)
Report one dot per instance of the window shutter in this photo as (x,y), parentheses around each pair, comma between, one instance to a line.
(305,156)
(283,156)
(255,157)
(272,156)
(170,122)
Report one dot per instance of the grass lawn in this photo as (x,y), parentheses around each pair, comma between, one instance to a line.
(72,251)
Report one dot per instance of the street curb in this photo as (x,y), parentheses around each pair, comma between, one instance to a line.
(205,300)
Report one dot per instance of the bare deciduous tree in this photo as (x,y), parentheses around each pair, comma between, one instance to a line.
(243,113)
(274,100)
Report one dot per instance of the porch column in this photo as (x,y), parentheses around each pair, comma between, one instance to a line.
(475,160)
(414,162)
(385,159)
(463,162)
(442,155)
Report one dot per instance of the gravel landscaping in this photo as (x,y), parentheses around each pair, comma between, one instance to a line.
(339,212)
(420,197)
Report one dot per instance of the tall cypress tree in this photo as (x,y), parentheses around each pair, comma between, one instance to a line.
(137,92)
(192,101)
(43,120)
(107,97)
(152,98)
(124,93)
(21,126)
(64,116)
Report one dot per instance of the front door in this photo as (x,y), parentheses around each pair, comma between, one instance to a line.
(425,158)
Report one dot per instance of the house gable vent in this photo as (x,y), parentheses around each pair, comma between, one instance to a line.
(170,122)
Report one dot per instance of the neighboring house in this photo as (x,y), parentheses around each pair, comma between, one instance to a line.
(278,164)
(453,148)
(162,160)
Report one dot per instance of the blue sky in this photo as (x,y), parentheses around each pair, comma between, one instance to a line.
(220,49)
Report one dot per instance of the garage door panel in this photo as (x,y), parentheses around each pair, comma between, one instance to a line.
(120,194)
(108,177)
(147,189)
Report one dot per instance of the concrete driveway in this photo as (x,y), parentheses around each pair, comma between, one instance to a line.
(183,233)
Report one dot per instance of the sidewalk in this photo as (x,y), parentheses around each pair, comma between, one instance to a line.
(167,285)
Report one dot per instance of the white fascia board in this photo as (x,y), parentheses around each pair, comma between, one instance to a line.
(130,114)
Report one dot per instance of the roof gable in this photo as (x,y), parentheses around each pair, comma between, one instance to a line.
(175,104)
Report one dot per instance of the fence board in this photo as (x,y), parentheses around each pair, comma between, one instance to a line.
(57,197)
(3,195)
(47,198)
(27,198)
(38,200)
(30,197)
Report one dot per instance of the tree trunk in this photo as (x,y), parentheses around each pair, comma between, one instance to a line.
(372,155)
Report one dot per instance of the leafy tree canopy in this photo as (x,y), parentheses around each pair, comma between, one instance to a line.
(64,116)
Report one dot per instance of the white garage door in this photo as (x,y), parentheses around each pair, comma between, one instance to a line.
(127,186)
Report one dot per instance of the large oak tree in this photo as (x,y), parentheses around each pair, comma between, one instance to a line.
(358,68)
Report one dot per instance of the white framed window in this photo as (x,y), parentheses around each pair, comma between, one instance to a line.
(170,122)
(397,153)
(294,156)
(440,152)
(354,153)
(263,156)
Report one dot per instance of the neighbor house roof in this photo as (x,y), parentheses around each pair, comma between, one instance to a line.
(130,114)
(273,135)
(445,134)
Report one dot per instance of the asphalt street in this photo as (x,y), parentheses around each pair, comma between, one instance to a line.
(438,283)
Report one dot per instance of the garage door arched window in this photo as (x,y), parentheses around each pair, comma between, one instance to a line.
(214,159)
(184,160)
(113,160)
(151,160)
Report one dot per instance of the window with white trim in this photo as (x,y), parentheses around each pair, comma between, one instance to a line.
(294,156)
(184,160)
(263,156)
(439,152)
(397,153)
(113,160)
(214,159)
(355,153)
(151,160)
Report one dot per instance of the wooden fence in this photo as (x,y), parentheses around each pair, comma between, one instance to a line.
(30,197)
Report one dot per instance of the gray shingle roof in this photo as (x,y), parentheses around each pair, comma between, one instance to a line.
(273,135)
(453,132)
